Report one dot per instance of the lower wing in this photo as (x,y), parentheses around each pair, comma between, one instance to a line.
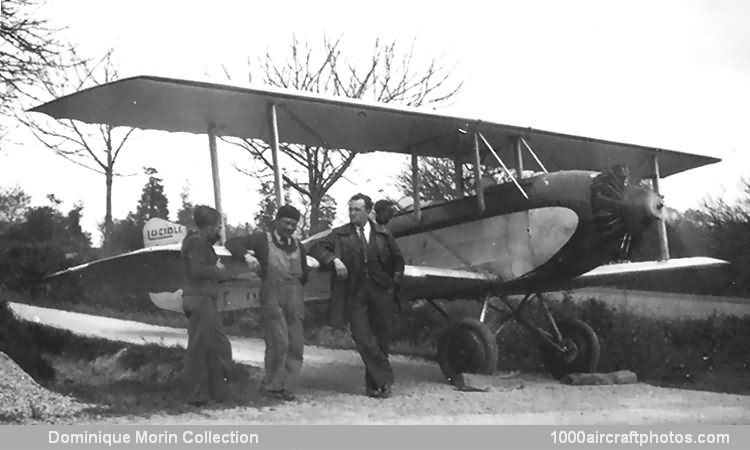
(158,272)
(433,282)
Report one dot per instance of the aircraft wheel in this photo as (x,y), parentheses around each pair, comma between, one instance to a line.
(582,349)
(467,346)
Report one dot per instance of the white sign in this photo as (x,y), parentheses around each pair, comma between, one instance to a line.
(162,232)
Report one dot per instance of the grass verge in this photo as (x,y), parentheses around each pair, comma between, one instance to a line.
(116,378)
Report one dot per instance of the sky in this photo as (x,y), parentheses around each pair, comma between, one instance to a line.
(668,74)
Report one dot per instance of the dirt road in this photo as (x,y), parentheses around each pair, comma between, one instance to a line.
(332,385)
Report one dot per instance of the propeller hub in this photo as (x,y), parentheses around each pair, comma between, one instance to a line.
(623,211)
(640,207)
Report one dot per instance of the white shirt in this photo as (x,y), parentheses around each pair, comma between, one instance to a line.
(366,231)
(281,240)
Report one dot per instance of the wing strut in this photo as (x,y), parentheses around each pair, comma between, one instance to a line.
(415,186)
(536,158)
(217,181)
(273,123)
(519,157)
(478,174)
(662,226)
(502,164)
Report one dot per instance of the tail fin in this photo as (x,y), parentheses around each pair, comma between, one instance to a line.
(162,232)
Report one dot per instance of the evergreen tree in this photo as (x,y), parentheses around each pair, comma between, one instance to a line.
(153,202)
(127,234)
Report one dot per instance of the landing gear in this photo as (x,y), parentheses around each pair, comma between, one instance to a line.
(577,351)
(469,345)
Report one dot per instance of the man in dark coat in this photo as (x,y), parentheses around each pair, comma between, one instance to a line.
(384,211)
(283,268)
(209,353)
(368,265)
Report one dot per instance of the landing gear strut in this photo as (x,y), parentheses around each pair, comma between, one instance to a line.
(469,345)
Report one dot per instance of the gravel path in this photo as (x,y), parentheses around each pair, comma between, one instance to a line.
(23,400)
(332,385)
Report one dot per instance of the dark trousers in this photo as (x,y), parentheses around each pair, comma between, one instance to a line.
(372,309)
(209,353)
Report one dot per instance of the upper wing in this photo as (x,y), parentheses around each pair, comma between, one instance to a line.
(332,122)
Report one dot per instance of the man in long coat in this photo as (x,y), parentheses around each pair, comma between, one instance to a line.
(368,265)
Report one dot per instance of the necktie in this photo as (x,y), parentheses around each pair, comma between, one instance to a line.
(361,232)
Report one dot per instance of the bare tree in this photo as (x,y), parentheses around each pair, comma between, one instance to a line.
(94,147)
(388,75)
(437,181)
(28,49)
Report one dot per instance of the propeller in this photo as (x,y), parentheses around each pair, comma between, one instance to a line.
(623,211)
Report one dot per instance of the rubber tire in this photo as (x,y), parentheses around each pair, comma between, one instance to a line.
(587,343)
(467,346)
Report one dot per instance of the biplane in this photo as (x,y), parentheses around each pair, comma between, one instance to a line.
(569,205)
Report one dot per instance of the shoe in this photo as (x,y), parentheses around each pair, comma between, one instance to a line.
(373,392)
(280,394)
(385,391)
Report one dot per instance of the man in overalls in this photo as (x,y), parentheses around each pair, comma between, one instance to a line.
(283,268)
(209,352)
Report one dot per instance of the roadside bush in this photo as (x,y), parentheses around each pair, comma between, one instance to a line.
(24,265)
(682,352)
(44,241)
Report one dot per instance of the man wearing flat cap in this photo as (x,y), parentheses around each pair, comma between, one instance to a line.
(282,265)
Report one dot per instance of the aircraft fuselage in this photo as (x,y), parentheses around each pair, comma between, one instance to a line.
(553,235)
